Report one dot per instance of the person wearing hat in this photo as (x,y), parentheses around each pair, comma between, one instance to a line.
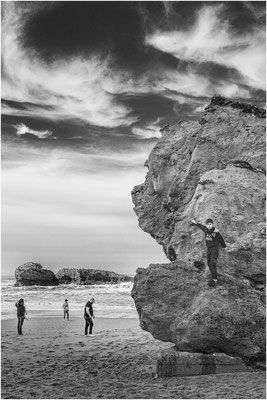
(88,316)
(213,241)
(21,312)
(66,309)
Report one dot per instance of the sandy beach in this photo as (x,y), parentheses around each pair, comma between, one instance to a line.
(53,359)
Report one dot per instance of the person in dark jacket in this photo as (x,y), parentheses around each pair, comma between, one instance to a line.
(21,312)
(213,241)
(66,309)
(88,316)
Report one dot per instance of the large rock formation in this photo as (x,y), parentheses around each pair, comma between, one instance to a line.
(34,274)
(90,276)
(212,168)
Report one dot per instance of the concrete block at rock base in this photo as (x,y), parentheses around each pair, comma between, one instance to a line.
(176,363)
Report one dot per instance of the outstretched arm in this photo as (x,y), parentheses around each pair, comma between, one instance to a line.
(202,227)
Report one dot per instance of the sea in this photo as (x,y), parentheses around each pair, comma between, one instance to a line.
(111,300)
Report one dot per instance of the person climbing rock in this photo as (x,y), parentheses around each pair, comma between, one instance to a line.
(21,312)
(213,241)
(88,316)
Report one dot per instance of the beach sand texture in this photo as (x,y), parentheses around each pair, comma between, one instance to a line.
(53,359)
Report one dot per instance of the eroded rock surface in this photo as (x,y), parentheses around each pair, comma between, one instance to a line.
(34,274)
(176,363)
(213,168)
(175,305)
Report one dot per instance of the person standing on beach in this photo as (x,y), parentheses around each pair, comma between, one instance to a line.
(213,241)
(66,309)
(88,316)
(21,312)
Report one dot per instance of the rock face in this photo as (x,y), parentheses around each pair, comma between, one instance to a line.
(212,168)
(34,274)
(90,276)
(175,363)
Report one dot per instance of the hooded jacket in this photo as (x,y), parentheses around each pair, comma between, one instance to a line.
(21,310)
(90,306)
(213,237)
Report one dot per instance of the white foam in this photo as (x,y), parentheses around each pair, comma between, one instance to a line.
(112,300)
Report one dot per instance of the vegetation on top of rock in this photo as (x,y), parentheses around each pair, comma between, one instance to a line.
(221,101)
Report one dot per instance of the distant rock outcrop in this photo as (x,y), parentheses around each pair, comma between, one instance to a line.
(212,168)
(90,276)
(34,274)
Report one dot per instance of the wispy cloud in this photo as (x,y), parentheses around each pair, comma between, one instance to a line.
(210,39)
(61,161)
(88,89)
(73,88)
(191,83)
(184,87)
(148,131)
(181,86)
(22,129)
(254,8)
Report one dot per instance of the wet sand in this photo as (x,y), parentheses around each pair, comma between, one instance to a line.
(54,360)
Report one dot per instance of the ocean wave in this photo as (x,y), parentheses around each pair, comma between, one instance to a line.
(107,286)
(112,300)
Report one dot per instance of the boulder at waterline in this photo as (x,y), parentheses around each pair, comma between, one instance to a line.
(31,273)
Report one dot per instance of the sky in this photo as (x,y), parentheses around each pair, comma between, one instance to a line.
(85,88)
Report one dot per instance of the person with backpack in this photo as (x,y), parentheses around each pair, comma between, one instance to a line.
(88,316)
(213,241)
(21,312)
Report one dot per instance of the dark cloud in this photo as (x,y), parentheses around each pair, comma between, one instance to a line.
(149,107)
(143,81)
(19,105)
(88,27)
(244,16)
(115,29)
